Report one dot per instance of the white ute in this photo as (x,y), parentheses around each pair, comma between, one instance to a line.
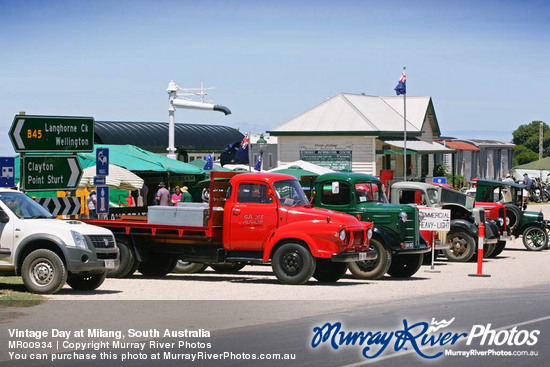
(48,252)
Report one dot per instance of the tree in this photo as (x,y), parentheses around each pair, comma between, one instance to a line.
(527,136)
(523,155)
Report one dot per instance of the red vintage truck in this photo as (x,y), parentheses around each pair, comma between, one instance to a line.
(251,218)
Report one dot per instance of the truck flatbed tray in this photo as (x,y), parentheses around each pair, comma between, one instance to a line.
(138,227)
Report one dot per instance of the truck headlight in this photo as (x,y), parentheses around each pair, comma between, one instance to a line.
(79,240)
(507,221)
(403,216)
(369,233)
(342,234)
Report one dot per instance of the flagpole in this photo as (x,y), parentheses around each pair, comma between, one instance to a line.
(405,130)
(249,153)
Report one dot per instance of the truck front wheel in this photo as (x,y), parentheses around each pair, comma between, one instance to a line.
(86,282)
(293,264)
(462,247)
(498,249)
(372,269)
(405,266)
(327,271)
(43,272)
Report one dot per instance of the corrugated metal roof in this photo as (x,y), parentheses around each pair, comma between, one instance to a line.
(154,135)
(359,113)
(460,145)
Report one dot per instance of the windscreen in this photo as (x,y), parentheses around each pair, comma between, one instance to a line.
(23,206)
(290,193)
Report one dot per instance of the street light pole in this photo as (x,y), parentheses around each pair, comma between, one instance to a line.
(262,144)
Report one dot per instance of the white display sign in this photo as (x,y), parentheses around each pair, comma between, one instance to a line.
(435,219)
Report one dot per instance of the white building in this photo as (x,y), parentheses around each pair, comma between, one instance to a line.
(363,134)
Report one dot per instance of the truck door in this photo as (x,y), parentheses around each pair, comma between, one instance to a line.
(253,217)
(6,240)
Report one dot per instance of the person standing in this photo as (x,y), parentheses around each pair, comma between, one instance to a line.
(185,195)
(163,195)
(91,201)
(176,196)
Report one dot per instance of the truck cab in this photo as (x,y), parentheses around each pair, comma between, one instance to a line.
(47,252)
(396,237)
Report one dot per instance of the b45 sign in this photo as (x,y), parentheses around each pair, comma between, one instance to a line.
(42,134)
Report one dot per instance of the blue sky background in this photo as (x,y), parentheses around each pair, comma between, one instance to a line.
(482,62)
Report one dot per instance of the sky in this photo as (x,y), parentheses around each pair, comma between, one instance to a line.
(482,62)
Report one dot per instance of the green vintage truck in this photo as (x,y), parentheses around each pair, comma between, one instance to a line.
(396,237)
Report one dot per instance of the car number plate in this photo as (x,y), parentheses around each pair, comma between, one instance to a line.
(362,256)
(110,264)
(409,245)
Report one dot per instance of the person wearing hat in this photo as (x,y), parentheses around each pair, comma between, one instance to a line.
(163,195)
(508,178)
(185,195)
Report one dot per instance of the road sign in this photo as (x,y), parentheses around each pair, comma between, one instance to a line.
(41,134)
(68,205)
(99,180)
(441,180)
(102,206)
(102,162)
(51,172)
(434,219)
(8,168)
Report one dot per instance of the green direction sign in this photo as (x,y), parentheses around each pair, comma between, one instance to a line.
(42,134)
(51,172)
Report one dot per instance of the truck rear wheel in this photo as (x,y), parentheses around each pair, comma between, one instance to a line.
(373,269)
(128,261)
(462,247)
(185,267)
(327,271)
(293,264)
(405,266)
(535,238)
(43,272)
(227,268)
(86,282)
(157,265)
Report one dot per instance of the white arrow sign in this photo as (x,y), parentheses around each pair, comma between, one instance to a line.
(17,134)
(75,172)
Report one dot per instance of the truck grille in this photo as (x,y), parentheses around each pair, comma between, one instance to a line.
(99,241)
(358,239)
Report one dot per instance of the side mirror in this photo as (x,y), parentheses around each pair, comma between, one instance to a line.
(335,187)
(4,218)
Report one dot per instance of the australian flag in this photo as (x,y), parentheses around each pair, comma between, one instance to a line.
(242,152)
(258,165)
(401,86)
(235,153)
(209,163)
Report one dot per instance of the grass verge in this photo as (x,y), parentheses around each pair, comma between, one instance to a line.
(14,294)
